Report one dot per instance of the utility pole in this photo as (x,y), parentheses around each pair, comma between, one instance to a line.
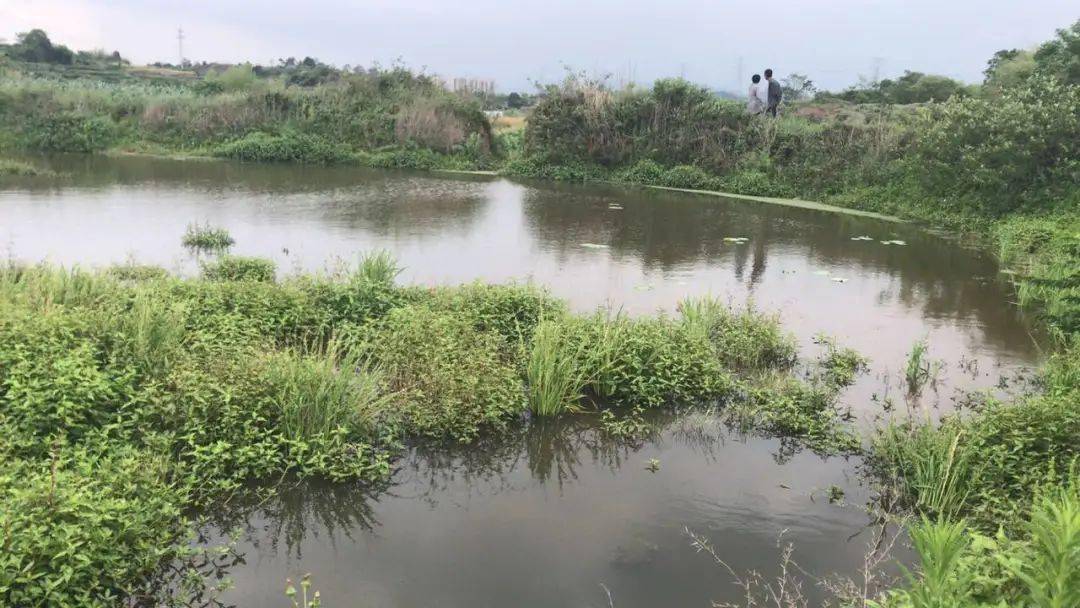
(180,44)
(877,68)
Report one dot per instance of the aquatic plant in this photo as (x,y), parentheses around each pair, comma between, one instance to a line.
(302,601)
(205,236)
(917,370)
(840,365)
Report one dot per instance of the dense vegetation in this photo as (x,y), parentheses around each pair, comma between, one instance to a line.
(181,390)
(127,396)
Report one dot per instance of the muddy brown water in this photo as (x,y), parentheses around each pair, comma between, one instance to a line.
(552,514)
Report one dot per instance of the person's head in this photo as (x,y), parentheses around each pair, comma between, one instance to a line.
(768,73)
(756,78)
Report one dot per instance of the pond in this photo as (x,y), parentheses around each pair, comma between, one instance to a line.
(561,513)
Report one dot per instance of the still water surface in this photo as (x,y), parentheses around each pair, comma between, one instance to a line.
(544,516)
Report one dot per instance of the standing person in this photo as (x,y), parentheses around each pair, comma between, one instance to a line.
(774,94)
(755,104)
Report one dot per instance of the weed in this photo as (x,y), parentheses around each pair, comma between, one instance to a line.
(237,268)
(206,236)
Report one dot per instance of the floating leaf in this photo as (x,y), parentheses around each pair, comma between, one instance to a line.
(895,242)
(615,207)
(862,238)
(736,239)
(594,246)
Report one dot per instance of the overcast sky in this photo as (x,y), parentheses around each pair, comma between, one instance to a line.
(833,41)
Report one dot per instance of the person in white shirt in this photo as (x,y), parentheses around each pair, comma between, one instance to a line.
(758,94)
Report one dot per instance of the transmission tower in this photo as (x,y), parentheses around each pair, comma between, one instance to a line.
(180,44)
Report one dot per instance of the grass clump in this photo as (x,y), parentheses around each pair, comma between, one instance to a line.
(239,268)
(553,372)
(206,236)
(447,378)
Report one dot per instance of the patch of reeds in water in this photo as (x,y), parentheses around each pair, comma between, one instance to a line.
(207,237)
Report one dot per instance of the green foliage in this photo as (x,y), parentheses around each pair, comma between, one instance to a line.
(231,80)
(82,527)
(288,147)
(912,87)
(962,568)
(35,46)
(447,377)
(840,365)
(239,268)
(206,236)
(553,372)
(984,467)
(801,414)
(1059,58)
(993,156)
(744,340)
(68,132)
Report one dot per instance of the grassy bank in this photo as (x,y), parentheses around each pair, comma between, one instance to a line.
(128,396)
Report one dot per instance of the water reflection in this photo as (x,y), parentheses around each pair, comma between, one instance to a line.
(544,513)
(646,249)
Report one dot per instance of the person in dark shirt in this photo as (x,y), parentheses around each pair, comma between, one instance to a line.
(775,94)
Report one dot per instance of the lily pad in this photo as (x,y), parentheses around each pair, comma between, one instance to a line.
(736,239)
(894,242)
(594,246)
(615,207)
(862,238)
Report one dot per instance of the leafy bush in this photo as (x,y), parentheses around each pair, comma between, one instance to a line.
(994,155)
(238,268)
(68,132)
(289,147)
(82,528)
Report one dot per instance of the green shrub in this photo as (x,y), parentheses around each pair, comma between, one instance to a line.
(687,176)
(239,268)
(83,528)
(68,132)
(288,147)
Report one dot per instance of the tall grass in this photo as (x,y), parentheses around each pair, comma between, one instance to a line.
(932,465)
(744,339)
(320,392)
(917,370)
(205,236)
(378,267)
(553,372)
